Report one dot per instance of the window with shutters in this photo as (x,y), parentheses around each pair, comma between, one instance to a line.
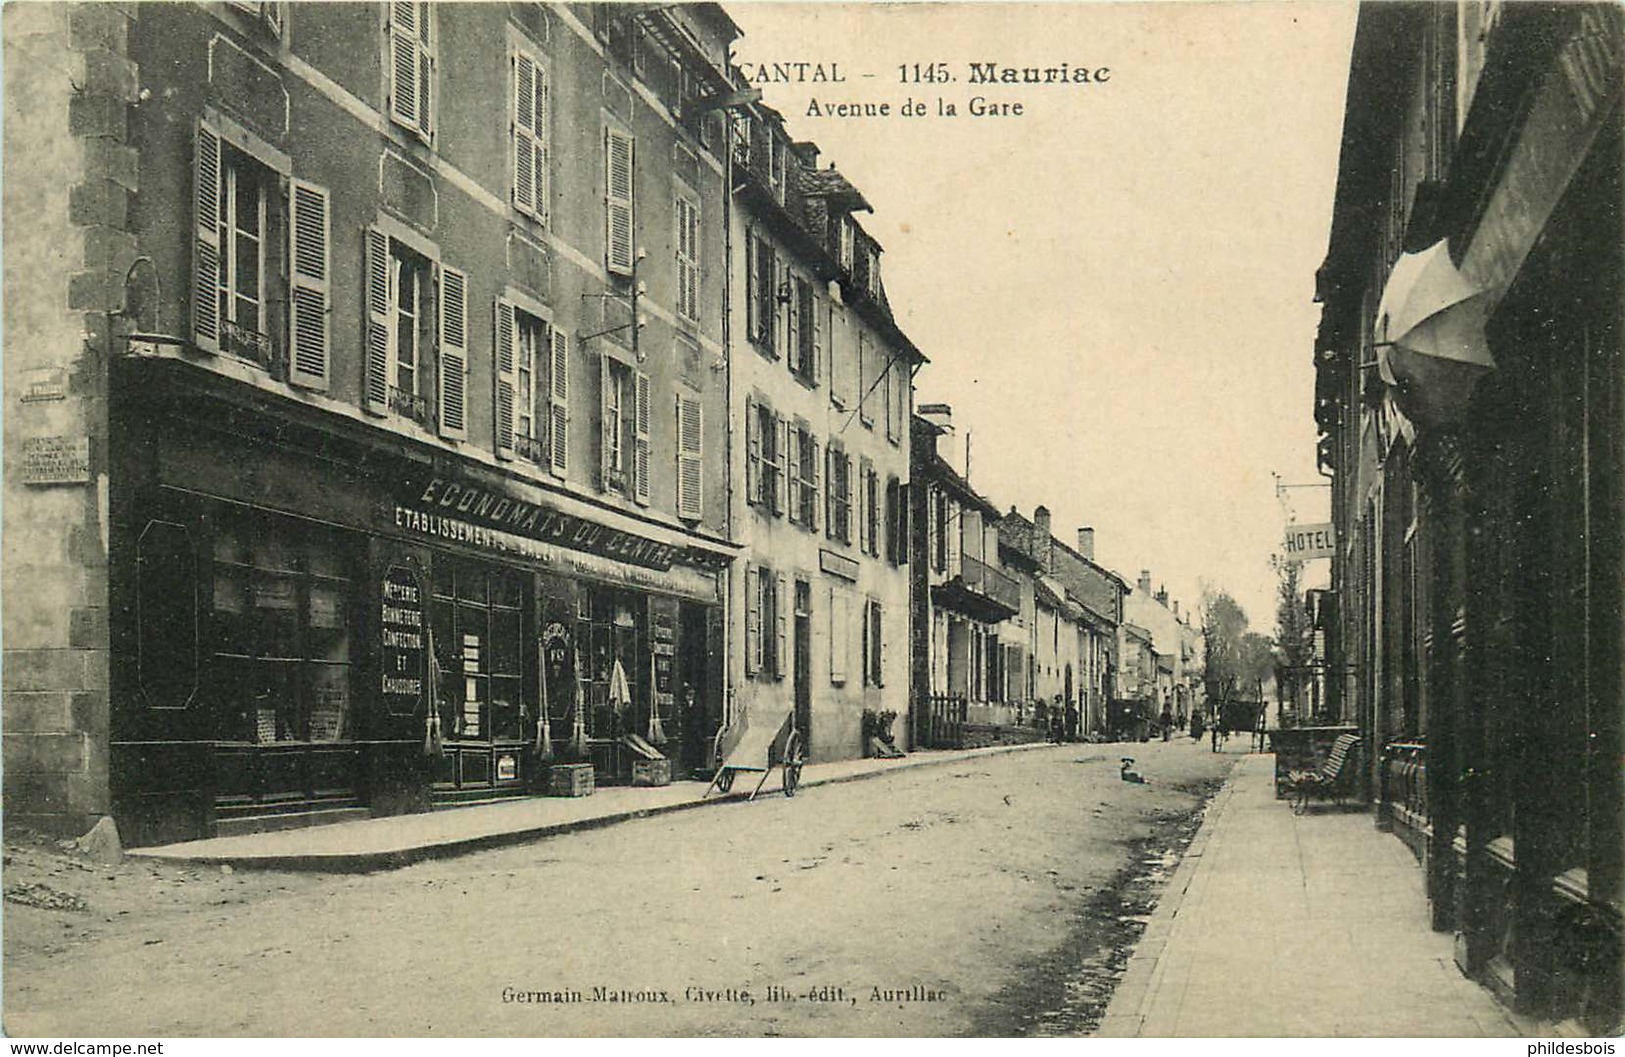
(807,332)
(522,378)
(805,499)
(766,470)
(763,296)
(616,400)
(687,212)
(839,478)
(411,39)
(840,633)
(939,530)
(260,252)
(840,359)
(871,504)
(778,166)
(531,153)
(848,243)
(764,623)
(690,458)
(619,181)
(896,541)
(416,355)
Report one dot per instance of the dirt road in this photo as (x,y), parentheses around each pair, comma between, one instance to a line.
(988,897)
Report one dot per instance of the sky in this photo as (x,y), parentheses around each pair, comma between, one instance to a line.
(1115,287)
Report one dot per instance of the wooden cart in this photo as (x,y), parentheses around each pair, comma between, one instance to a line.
(761,748)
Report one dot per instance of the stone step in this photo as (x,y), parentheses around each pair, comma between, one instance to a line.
(233,827)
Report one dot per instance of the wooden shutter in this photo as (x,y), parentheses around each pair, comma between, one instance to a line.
(640,443)
(792,320)
(406,103)
(815,503)
(607,432)
(780,317)
(880,636)
(866,413)
(781,620)
(310,235)
(206,246)
(541,145)
(793,466)
(753,452)
(376,380)
(690,458)
(505,392)
(524,133)
(558,383)
(618,162)
(753,622)
(781,445)
(863,506)
(863,644)
(452,387)
(829,490)
(840,633)
(818,310)
(753,314)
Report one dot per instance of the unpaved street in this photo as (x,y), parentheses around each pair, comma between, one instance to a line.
(945,900)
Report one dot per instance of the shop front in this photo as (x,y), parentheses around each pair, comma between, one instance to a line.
(313,627)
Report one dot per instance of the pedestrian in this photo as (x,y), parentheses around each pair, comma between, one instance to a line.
(1167,720)
(1071,721)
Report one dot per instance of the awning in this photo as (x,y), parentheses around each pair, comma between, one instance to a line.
(1430,335)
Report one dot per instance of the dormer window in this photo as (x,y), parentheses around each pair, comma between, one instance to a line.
(848,243)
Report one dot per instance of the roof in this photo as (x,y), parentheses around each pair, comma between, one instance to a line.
(936,466)
(829,183)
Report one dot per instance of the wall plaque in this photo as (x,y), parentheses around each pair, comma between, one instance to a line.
(56,460)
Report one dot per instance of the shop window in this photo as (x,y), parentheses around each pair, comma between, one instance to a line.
(166,615)
(478,619)
(282,612)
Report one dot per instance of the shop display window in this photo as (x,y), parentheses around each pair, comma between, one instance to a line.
(281,627)
(478,634)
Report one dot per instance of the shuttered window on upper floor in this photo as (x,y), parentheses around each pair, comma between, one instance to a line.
(410,33)
(530,137)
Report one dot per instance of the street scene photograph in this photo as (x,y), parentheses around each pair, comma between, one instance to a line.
(988,520)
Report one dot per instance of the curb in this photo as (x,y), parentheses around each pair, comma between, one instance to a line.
(369,862)
(1143,976)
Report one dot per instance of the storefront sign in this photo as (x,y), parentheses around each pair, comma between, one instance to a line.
(677,580)
(401,646)
(838,565)
(483,506)
(56,460)
(1309,541)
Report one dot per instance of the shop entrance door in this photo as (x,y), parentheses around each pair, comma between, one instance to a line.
(698,713)
(803,661)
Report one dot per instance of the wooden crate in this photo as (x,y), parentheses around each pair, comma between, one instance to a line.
(651,772)
(570,779)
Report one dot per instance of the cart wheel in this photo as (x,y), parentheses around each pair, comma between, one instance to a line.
(792,763)
(725,780)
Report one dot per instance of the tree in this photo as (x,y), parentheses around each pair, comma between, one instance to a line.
(1234,658)
(1294,635)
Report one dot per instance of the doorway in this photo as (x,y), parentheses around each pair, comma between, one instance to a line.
(803,663)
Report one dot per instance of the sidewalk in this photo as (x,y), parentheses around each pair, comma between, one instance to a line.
(387,843)
(1279,925)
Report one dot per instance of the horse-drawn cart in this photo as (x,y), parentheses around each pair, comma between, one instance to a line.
(760,749)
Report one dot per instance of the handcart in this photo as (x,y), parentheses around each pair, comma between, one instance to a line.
(760,749)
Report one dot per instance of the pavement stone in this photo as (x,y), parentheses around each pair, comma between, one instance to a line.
(1281,925)
(397,840)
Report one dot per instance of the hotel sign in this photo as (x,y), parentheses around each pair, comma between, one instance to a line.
(473,504)
(1304,542)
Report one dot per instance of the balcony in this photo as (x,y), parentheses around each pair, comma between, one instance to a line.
(979,591)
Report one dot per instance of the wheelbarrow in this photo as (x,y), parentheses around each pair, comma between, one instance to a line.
(761,748)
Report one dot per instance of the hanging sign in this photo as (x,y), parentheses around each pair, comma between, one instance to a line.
(1304,542)
(400,631)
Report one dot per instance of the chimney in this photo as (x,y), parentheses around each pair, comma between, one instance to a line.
(941,416)
(1162,596)
(1086,543)
(1144,585)
(1041,538)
